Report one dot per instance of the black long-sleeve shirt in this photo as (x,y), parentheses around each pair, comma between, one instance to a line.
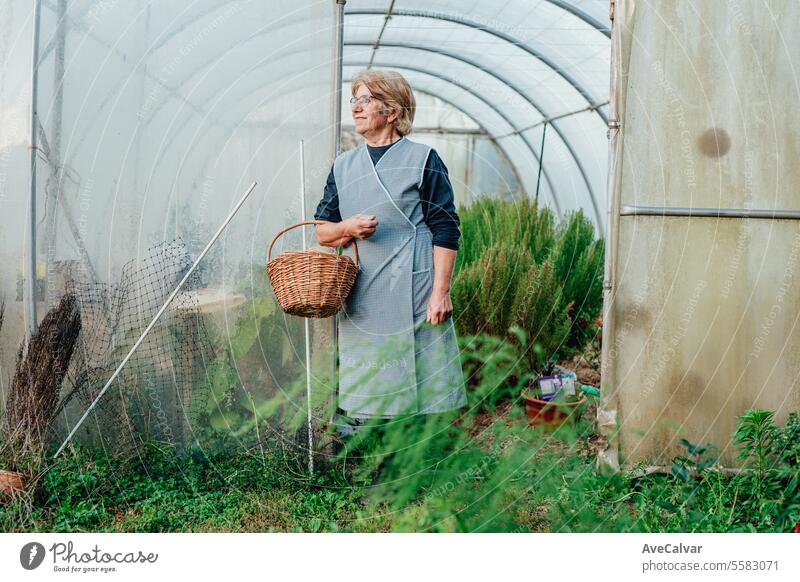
(436,197)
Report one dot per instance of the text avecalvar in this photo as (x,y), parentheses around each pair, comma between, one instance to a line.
(671,549)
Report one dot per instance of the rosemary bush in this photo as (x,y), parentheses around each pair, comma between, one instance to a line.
(517,267)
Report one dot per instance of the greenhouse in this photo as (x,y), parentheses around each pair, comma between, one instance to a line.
(622,176)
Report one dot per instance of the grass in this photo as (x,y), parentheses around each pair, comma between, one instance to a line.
(494,474)
(557,490)
(157,492)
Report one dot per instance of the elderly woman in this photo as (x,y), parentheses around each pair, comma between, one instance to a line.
(397,350)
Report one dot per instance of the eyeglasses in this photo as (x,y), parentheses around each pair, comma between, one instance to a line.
(364,100)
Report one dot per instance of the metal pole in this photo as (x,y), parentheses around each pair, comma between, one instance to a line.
(157,316)
(307,330)
(771,213)
(338,63)
(549,119)
(30,283)
(608,406)
(541,163)
(54,156)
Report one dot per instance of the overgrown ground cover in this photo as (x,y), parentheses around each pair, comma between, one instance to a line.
(526,294)
(507,480)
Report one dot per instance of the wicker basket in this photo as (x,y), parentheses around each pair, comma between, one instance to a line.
(311,283)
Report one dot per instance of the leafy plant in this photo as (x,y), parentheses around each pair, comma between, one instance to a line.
(788,441)
(539,310)
(688,470)
(756,437)
(484,293)
(505,288)
(771,480)
(499,366)
(488,223)
(516,266)
(456,471)
(577,259)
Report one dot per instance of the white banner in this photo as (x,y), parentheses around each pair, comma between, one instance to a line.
(389,557)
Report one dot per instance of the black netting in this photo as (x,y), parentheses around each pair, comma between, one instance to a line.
(157,396)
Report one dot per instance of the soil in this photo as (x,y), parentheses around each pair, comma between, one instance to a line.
(586,372)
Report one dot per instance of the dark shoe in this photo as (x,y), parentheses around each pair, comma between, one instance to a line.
(346,426)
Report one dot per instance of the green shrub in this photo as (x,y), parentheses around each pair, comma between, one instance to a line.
(506,288)
(489,223)
(693,496)
(485,292)
(577,259)
(517,267)
(770,485)
(539,309)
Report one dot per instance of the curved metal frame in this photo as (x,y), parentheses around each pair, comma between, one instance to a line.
(503,150)
(502,115)
(519,92)
(574,10)
(503,36)
(477,26)
(489,30)
(494,141)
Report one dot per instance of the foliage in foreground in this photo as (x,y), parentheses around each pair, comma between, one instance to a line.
(695,496)
(158,493)
(482,470)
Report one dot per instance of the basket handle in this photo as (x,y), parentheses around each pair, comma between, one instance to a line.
(288,228)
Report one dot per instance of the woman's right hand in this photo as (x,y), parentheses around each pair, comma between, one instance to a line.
(361,226)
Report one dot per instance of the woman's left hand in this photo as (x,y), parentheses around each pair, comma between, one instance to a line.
(439,307)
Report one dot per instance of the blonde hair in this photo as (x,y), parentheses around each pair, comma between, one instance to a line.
(392,89)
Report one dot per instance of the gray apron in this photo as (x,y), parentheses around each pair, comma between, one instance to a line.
(390,361)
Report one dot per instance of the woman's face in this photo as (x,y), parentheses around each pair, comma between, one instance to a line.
(368,117)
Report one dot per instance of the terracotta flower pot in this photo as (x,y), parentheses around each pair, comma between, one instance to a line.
(11,482)
(543,412)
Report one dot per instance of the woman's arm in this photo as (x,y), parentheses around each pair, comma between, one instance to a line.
(440,307)
(337,232)
(340,234)
(332,234)
(438,206)
(438,203)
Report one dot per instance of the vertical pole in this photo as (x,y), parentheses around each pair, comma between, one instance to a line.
(30,283)
(337,145)
(608,459)
(338,56)
(54,156)
(469,170)
(541,163)
(143,96)
(307,330)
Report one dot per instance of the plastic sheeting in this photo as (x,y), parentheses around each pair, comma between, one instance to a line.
(153,119)
(509,66)
(701,312)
